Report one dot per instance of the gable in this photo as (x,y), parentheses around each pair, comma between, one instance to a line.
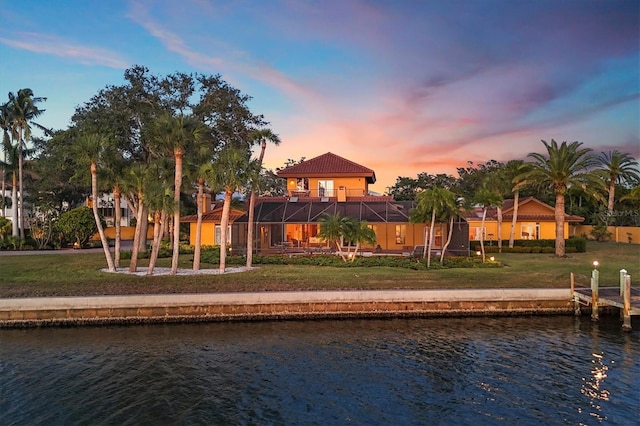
(328,165)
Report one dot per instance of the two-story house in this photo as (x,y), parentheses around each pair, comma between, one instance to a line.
(325,185)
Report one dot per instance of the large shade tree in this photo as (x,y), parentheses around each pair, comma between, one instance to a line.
(563,166)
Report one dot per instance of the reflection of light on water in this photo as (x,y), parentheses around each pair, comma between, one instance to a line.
(593,386)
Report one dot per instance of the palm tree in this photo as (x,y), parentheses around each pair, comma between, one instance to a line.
(230,171)
(89,148)
(619,168)
(359,233)
(263,136)
(451,211)
(430,203)
(332,230)
(512,170)
(5,124)
(10,168)
(487,198)
(176,133)
(23,110)
(159,199)
(565,165)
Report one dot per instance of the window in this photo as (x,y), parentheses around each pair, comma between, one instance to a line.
(218,235)
(474,233)
(302,184)
(401,234)
(325,188)
(530,231)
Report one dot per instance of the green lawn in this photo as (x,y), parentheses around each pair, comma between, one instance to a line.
(79,274)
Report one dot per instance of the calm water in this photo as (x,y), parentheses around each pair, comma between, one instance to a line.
(534,370)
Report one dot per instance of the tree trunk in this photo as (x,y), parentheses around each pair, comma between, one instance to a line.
(4,186)
(612,193)
(499,231)
(425,242)
(514,220)
(133,265)
(446,245)
(118,226)
(484,216)
(20,189)
(15,232)
(155,246)
(198,242)
(144,230)
(224,222)
(431,227)
(559,215)
(252,204)
(177,153)
(94,207)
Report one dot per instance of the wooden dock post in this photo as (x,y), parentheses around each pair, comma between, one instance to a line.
(595,275)
(626,310)
(576,299)
(623,272)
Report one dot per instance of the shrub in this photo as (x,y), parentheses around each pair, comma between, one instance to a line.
(77,225)
(579,244)
(600,233)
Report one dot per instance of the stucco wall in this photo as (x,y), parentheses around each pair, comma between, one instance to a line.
(619,234)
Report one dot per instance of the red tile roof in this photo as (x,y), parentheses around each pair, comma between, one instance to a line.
(214,215)
(507,212)
(328,165)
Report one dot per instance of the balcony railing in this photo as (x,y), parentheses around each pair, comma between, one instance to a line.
(322,192)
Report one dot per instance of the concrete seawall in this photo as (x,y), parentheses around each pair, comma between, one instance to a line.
(58,311)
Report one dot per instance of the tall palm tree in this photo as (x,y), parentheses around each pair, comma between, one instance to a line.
(10,168)
(159,199)
(24,110)
(619,167)
(512,170)
(5,124)
(563,166)
(176,133)
(230,171)
(89,148)
(487,197)
(263,136)
(431,203)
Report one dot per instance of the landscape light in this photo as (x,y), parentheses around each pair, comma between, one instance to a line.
(595,263)
(492,258)
(478,253)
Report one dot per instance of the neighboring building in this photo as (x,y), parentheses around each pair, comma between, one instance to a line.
(536,221)
(328,184)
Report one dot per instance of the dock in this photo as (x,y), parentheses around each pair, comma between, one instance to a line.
(623,297)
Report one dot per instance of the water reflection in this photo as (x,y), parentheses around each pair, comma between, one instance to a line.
(431,371)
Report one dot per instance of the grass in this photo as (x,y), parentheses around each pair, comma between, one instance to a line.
(79,274)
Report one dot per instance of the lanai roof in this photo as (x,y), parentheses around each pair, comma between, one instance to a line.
(329,165)
(310,211)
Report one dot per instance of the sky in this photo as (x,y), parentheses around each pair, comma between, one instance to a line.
(402,87)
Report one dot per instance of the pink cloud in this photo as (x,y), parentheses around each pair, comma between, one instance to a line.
(57,46)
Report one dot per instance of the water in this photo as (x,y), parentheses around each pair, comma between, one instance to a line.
(463,371)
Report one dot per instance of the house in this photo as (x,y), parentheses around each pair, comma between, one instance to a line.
(210,230)
(535,221)
(327,185)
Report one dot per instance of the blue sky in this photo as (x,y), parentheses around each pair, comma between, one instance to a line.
(402,86)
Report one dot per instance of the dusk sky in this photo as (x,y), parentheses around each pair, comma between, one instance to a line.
(401,87)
